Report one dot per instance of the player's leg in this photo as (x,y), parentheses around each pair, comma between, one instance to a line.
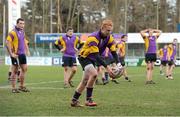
(148,72)
(167,70)
(125,72)
(14,69)
(80,88)
(151,58)
(23,67)
(89,87)
(100,75)
(88,68)
(171,67)
(9,73)
(87,82)
(66,75)
(125,75)
(18,74)
(151,73)
(161,68)
(105,76)
(66,65)
(73,71)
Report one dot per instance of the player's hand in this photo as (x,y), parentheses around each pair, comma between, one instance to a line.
(76,49)
(62,50)
(119,65)
(14,55)
(28,53)
(109,70)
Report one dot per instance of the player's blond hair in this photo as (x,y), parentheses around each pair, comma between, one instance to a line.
(106,23)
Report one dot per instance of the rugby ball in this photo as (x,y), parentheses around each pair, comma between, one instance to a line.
(117,71)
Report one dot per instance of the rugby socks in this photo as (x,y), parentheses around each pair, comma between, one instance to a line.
(76,96)
(18,73)
(126,78)
(89,93)
(9,75)
(106,76)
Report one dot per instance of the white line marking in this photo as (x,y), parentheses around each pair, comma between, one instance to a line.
(48,82)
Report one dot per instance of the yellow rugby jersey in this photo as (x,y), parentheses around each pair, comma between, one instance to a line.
(94,44)
(18,41)
(63,43)
(170,50)
(69,44)
(160,52)
(122,48)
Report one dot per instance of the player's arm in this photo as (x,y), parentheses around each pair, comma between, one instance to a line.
(160,53)
(103,63)
(169,53)
(9,45)
(112,48)
(27,47)
(80,44)
(143,33)
(158,32)
(119,47)
(175,58)
(99,59)
(57,44)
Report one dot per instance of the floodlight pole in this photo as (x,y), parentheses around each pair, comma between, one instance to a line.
(58,15)
(125,17)
(157,15)
(43,16)
(51,29)
(4,23)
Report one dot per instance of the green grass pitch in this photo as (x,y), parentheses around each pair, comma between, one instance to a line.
(49,98)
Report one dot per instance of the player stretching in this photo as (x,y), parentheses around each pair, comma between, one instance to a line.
(150,36)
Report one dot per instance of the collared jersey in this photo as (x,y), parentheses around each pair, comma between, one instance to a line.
(150,44)
(172,50)
(69,43)
(96,44)
(18,42)
(122,48)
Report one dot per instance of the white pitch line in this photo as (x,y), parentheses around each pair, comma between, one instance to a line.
(29,84)
(43,82)
(46,88)
(43,88)
(48,82)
